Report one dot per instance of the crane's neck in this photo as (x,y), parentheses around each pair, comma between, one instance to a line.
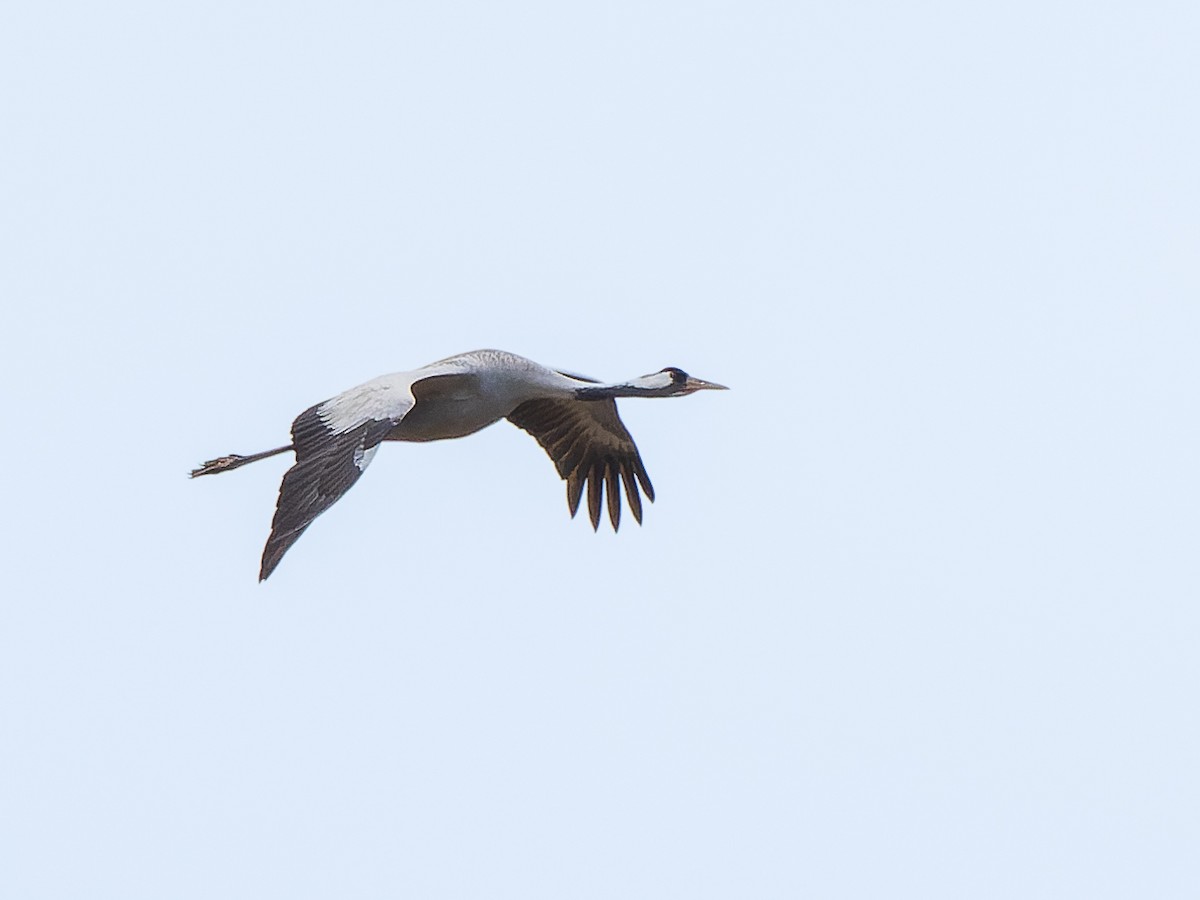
(660,384)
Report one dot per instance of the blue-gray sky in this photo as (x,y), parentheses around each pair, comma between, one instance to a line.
(916,612)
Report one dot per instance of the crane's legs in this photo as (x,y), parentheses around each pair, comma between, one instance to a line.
(234,461)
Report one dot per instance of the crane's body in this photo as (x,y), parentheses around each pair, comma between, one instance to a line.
(459,395)
(574,419)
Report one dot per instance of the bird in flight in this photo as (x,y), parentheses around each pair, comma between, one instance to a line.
(573,418)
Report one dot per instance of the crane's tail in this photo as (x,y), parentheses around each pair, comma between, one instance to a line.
(234,461)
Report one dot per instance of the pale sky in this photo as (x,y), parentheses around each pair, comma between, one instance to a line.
(916,612)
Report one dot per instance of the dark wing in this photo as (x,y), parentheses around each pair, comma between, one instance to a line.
(327,465)
(589,445)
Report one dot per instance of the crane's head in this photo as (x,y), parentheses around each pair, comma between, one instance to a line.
(681,383)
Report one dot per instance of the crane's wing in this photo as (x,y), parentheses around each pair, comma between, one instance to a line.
(590,445)
(334,443)
(328,462)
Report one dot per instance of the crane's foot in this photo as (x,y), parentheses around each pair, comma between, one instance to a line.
(220,464)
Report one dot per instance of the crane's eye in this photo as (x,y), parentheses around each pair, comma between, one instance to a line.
(678,376)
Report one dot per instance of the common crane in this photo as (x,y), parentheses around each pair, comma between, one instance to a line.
(573,418)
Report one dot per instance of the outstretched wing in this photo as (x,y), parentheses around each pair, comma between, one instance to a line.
(334,443)
(328,462)
(589,445)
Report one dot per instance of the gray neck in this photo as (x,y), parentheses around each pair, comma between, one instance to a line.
(660,384)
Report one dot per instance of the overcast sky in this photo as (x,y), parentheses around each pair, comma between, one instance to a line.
(916,612)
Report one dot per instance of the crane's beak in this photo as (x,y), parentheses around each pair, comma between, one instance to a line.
(696,384)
